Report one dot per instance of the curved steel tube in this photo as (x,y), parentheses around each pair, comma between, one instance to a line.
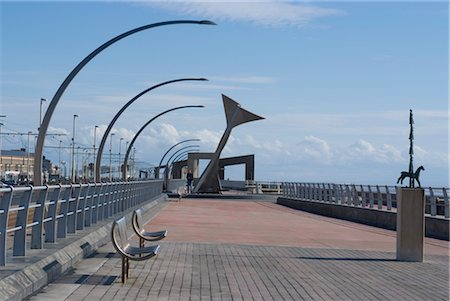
(160,162)
(51,108)
(181,155)
(130,146)
(113,121)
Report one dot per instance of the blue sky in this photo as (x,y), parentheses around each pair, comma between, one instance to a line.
(334,80)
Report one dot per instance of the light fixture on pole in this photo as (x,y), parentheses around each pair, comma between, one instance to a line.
(110,157)
(28,156)
(95,135)
(59,158)
(1,155)
(120,146)
(72,164)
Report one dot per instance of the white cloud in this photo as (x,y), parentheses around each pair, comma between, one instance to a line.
(267,13)
(314,148)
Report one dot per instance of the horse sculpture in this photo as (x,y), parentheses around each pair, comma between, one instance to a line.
(414,176)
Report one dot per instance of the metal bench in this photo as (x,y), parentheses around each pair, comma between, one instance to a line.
(138,224)
(122,245)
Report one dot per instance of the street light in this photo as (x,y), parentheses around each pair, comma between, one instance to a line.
(40,112)
(1,155)
(124,167)
(110,157)
(59,157)
(95,133)
(120,147)
(51,108)
(72,174)
(28,157)
(111,124)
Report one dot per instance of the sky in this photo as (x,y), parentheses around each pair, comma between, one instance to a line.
(334,80)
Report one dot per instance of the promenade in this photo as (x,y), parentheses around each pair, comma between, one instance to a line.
(258,250)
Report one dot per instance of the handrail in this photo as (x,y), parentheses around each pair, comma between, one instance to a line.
(53,211)
(367,196)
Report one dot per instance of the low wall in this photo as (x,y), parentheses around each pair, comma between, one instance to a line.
(435,227)
(44,267)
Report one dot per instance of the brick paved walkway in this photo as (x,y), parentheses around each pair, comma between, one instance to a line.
(304,257)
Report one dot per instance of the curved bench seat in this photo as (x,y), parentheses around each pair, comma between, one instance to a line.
(138,227)
(122,245)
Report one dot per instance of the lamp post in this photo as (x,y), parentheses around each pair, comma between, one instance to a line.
(124,169)
(120,147)
(72,165)
(51,108)
(111,124)
(59,157)
(95,135)
(1,155)
(77,166)
(28,156)
(40,112)
(110,157)
(165,154)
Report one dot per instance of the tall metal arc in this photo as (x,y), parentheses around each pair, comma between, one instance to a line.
(165,154)
(51,108)
(113,121)
(130,145)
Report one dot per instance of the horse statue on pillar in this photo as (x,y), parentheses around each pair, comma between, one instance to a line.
(414,176)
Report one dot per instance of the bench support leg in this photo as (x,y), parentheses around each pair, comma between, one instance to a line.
(124,260)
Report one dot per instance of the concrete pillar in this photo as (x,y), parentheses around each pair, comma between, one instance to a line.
(410,224)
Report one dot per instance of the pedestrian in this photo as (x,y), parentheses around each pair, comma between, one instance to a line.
(190,179)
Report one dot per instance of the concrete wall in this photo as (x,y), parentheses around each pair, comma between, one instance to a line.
(435,227)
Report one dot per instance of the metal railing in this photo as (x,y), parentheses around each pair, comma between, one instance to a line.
(374,197)
(47,213)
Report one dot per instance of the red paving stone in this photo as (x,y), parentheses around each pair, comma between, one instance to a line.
(265,223)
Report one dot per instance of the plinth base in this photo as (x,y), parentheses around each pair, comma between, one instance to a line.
(410,224)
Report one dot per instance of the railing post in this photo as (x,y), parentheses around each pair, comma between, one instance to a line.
(102,206)
(432,202)
(37,231)
(88,205)
(446,205)
(348,192)
(50,219)
(72,213)
(388,198)
(379,198)
(371,201)
(21,223)
(95,201)
(363,196)
(62,216)
(81,211)
(355,196)
(5,203)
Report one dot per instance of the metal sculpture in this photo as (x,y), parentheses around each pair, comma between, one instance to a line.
(235,115)
(411,174)
(51,108)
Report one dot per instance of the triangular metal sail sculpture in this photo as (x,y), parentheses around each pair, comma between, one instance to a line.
(209,180)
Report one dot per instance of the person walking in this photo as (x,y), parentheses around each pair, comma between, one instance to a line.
(190,179)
